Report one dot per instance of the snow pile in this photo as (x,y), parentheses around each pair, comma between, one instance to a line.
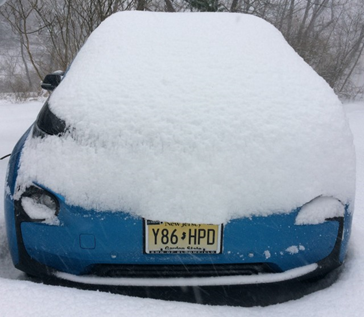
(294,249)
(193,118)
(39,211)
(194,281)
(319,210)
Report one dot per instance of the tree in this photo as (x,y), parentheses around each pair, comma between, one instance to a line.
(328,34)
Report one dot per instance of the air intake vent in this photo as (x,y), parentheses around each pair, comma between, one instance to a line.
(106,270)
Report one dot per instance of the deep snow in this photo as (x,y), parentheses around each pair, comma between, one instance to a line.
(197,118)
(19,297)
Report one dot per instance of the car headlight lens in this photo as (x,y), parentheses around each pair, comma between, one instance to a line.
(40,205)
(47,122)
(319,210)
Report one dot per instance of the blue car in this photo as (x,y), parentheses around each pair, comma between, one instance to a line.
(183,150)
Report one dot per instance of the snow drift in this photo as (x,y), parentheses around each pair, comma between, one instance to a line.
(193,118)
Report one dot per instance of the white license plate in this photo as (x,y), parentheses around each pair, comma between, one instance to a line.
(174,237)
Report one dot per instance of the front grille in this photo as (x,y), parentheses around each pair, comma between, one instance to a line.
(206,270)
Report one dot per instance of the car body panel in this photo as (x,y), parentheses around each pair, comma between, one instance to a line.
(118,239)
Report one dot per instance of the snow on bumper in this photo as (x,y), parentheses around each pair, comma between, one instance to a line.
(195,281)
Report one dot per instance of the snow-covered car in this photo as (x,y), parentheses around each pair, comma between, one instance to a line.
(183,149)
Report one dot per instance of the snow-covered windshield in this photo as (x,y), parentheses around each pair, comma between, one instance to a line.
(193,118)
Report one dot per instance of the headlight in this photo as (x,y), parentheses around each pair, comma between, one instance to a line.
(319,210)
(40,205)
(47,122)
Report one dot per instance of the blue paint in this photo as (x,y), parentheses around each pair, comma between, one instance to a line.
(8,201)
(119,239)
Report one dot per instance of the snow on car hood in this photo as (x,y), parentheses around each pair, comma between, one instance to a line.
(193,118)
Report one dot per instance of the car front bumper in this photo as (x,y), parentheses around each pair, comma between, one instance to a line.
(264,278)
(109,247)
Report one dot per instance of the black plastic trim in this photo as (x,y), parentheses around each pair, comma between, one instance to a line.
(49,123)
(166,271)
(332,261)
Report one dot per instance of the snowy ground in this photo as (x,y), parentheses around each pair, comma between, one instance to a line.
(20,297)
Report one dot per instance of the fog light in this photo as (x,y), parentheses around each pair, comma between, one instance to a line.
(40,205)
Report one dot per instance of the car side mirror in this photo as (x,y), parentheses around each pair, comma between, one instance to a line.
(51,81)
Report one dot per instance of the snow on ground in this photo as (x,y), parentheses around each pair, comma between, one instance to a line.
(14,121)
(20,297)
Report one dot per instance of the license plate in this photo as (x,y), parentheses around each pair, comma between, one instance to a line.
(174,237)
